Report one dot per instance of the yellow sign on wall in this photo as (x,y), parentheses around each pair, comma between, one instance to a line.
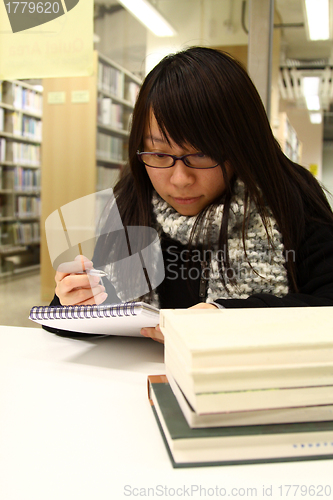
(40,39)
(313,167)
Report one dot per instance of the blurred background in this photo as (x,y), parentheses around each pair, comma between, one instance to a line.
(80,124)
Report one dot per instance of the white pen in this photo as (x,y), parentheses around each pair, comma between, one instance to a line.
(93,272)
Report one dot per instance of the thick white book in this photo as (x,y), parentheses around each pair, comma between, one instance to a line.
(237,337)
(235,378)
(234,444)
(257,399)
(322,413)
(110,319)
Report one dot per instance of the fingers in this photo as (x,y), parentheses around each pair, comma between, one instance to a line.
(70,281)
(71,293)
(153,333)
(78,265)
(204,305)
(78,289)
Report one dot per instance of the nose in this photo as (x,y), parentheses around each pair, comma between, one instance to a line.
(182,176)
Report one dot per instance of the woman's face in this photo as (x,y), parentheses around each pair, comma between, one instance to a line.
(187,190)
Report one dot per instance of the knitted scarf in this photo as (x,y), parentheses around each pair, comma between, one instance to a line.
(261,270)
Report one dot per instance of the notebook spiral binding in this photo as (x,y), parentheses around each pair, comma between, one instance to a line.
(82,312)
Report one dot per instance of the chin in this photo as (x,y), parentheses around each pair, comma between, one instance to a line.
(188,212)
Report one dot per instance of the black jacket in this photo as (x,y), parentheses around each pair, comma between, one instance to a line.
(314,274)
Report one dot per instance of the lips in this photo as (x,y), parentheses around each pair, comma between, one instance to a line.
(186,201)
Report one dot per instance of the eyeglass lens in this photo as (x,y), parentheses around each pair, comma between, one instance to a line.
(163,160)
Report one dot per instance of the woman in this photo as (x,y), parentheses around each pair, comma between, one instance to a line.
(241,225)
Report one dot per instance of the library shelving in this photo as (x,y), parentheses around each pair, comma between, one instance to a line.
(20,176)
(287,137)
(85,137)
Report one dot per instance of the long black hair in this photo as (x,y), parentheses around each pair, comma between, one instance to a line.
(205,98)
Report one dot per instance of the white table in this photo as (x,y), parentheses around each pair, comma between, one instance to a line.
(75,424)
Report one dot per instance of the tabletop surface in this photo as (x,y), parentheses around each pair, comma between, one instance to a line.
(76,424)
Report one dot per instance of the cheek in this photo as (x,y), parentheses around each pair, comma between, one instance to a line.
(156,177)
(216,183)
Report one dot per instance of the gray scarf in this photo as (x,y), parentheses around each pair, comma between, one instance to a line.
(261,270)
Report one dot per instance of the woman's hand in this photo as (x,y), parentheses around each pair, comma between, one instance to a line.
(156,334)
(78,289)
(203,305)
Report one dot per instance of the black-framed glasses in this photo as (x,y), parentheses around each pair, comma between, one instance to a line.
(163,160)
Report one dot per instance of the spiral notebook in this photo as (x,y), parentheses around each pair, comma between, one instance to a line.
(110,319)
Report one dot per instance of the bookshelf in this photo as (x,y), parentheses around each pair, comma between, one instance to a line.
(287,137)
(20,176)
(117,90)
(85,137)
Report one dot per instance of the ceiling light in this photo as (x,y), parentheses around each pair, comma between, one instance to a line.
(149,16)
(315,118)
(311,92)
(311,85)
(312,102)
(317,14)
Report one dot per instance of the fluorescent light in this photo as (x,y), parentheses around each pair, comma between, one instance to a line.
(311,85)
(149,16)
(312,102)
(315,117)
(311,92)
(317,13)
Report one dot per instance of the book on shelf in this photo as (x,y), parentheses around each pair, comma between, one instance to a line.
(24,126)
(131,92)
(228,445)
(110,79)
(26,233)
(27,179)
(109,319)
(106,176)
(2,149)
(20,233)
(2,119)
(26,99)
(20,146)
(21,153)
(27,206)
(109,147)
(252,337)
(110,113)
(254,417)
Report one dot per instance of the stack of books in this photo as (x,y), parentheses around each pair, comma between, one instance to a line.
(246,385)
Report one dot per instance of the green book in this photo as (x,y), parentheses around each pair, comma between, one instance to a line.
(235,444)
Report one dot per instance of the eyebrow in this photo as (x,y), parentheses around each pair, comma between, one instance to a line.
(155,139)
